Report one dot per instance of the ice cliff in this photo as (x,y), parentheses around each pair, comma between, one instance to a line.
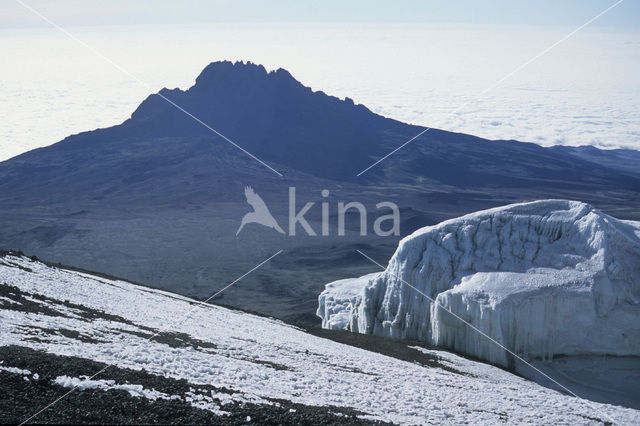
(544,278)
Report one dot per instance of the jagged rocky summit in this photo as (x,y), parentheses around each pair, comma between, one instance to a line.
(543,278)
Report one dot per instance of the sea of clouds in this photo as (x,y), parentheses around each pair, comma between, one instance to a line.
(585,91)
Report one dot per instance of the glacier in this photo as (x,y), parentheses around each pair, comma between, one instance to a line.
(543,279)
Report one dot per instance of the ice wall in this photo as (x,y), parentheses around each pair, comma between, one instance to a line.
(543,278)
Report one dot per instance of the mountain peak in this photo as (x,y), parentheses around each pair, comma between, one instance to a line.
(272,114)
(275,117)
(221,69)
(240,72)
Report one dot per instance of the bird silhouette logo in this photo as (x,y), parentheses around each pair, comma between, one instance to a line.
(260,214)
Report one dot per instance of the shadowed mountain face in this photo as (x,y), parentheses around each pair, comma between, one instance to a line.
(273,116)
(158,199)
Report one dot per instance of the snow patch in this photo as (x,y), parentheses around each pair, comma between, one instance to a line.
(15,370)
(84,382)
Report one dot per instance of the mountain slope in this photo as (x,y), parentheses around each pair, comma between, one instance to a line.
(159,198)
(223,359)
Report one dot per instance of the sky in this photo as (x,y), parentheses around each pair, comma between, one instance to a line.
(491,12)
(418,62)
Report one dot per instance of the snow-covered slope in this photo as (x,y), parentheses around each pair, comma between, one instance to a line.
(76,314)
(544,278)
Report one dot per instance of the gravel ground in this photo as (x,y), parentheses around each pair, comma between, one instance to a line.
(21,398)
